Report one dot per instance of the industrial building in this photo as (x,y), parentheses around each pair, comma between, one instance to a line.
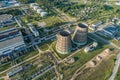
(33,30)
(80,34)
(63,44)
(91,47)
(6,19)
(95,26)
(110,30)
(15,71)
(11,40)
(38,9)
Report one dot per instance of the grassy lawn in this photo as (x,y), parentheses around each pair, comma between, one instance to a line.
(118,75)
(27,56)
(51,21)
(101,72)
(44,47)
(5,67)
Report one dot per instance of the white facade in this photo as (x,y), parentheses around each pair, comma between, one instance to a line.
(43,14)
(39,11)
(13,42)
(33,30)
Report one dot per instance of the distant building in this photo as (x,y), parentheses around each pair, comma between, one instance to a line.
(33,4)
(70,60)
(91,47)
(80,34)
(33,30)
(35,7)
(15,71)
(6,19)
(96,25)
(63,44)
(11,40)
(1,4)
(43,14)
(117,3)
(38,9)
(110,30)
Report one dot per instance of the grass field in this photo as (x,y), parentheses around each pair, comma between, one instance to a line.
(44,47)
(118,74)
(81,58)
(101,72)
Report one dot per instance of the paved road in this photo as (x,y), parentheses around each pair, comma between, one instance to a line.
(116,67)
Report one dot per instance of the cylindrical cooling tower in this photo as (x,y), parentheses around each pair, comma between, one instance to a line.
(63,44)
(80,34)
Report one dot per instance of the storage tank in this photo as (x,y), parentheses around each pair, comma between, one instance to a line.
(63,44)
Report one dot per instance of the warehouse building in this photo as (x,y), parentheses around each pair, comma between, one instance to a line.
(11,40)
(6,19)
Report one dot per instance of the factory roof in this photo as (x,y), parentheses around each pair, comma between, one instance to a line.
(13,41)
(5,17)
(10,39)
(111,29)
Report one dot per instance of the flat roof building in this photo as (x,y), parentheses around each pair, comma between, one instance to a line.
(33,30)
(110,30)
(6,19)
(11,40)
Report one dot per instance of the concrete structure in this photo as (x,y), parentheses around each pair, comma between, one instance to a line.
(6,19)
(4,4)
(63,44)
(35,7)
(110,30)
(33,4)
(95,26)
(11,40)
(39,10)
(33,30)
(70,60)
(43,14)
(15,71)
(91,47)
(80,34)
